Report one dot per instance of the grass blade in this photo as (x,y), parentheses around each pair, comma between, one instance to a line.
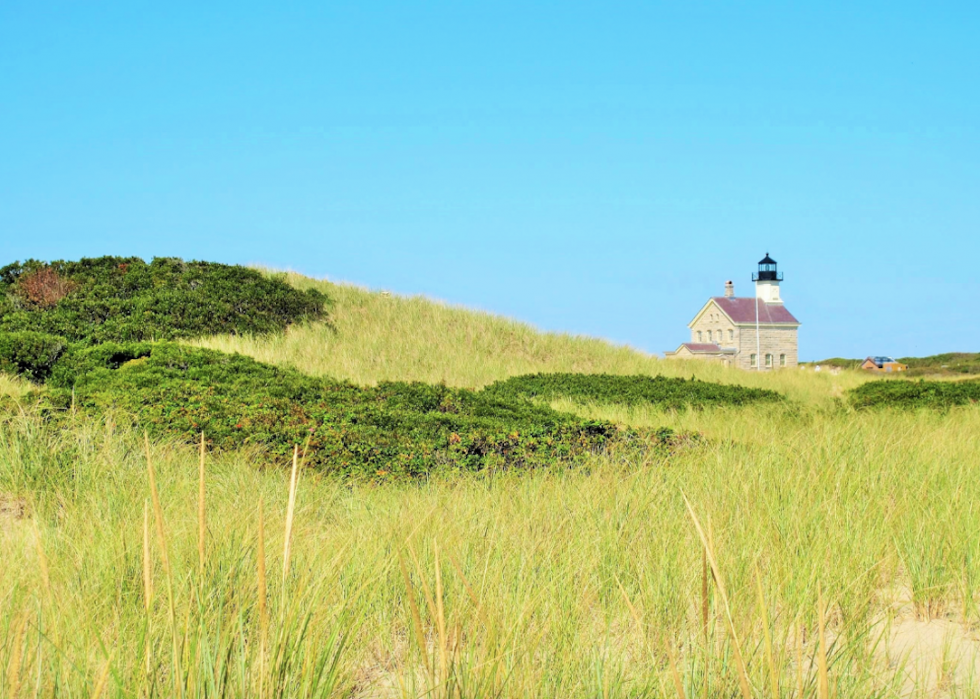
(201,515)
(290,513)
(743,675)
(823,684)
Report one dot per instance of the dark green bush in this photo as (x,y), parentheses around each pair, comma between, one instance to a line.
(115,299)
(96,331)
(902,393)
(30,354)
(394,429)
(629,390)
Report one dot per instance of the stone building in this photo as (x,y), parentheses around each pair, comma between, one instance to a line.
(756,332)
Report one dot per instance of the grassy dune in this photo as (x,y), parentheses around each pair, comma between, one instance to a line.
(804,550)
(374,337)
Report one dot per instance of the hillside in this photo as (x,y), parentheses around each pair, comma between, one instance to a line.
(92,337)
(947,364)
(771,518)
(377,337)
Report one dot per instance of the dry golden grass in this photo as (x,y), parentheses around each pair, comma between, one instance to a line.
(766,561)
(374,337)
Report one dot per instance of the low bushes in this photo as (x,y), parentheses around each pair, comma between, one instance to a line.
(902,393)
(116,299)
(30,354)
(660,391)
(394,429)
(99,333)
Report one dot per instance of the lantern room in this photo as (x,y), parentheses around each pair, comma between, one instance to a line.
(767,280)
(767,271)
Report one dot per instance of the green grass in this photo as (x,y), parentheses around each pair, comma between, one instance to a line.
(374,337)
(555,583)
(950,364)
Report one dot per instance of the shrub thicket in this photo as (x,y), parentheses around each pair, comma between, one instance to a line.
(30,354)
(661,391)
(97,332)
(115,299)
(394,429)
(901,393)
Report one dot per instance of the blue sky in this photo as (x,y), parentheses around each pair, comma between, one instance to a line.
(597,168)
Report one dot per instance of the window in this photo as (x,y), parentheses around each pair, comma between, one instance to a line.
(731,336)
(768,361)
(782,360)
(709,336)
(753,361)
(700,339)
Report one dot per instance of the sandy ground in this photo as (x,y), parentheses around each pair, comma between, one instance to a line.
(12,510)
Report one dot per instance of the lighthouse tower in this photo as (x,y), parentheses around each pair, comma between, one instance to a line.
(767,281)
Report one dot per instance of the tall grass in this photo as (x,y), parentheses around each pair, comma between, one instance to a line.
(374,337)
(572,583)
(769,560)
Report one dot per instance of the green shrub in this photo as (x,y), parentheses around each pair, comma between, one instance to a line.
(394,429)
(629,390)
(115,299)
(30,354)
(902,393)
(92,331)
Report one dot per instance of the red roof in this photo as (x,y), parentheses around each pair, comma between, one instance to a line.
(742,310)
(699,347)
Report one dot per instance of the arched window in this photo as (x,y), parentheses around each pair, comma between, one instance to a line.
(700,338)
(709,336)
(768,361)
(731,336)
(753,360)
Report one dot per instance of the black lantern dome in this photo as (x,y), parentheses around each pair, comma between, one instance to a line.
(767,271)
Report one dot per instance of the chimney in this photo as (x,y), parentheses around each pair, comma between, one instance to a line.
(729,289)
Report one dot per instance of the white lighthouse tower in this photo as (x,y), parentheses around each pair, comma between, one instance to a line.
(767,281)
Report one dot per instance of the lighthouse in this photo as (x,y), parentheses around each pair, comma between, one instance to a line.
(749,332)
(767,281)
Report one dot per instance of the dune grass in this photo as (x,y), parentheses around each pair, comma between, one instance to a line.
(13,387)
(773,559)
(375,337)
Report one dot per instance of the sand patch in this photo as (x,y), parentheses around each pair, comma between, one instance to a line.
(939,656)
(12,510)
